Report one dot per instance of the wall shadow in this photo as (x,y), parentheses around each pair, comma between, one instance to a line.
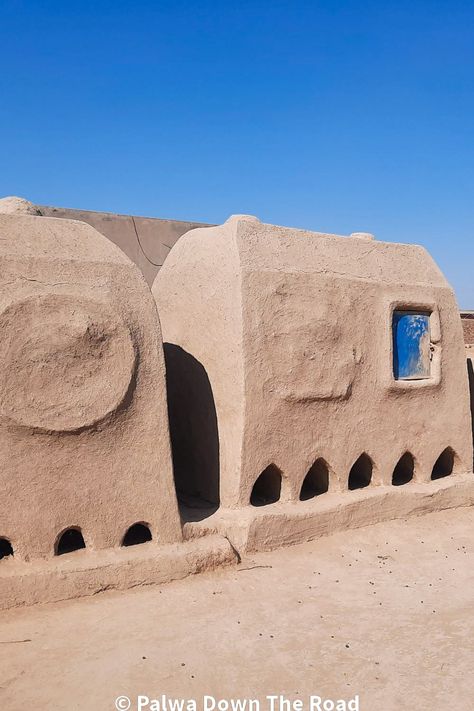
(194,434)
(470,375)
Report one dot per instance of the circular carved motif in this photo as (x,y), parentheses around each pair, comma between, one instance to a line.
(66,362)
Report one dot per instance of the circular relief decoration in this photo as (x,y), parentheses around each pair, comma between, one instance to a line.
(66,362)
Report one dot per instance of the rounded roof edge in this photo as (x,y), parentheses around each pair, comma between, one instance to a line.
(57,238)
(14,205)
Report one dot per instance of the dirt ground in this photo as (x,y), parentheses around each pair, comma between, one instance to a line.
(385,612)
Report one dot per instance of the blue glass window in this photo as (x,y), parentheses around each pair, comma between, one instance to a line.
(411,345)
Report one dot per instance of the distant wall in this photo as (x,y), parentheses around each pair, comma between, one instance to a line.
(467,320)
(145,240)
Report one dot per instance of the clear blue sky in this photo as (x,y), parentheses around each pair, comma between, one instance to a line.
(335,116)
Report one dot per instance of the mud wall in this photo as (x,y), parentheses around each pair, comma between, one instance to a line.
(145,240)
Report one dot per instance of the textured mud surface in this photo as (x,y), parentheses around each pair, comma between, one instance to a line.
(384,611)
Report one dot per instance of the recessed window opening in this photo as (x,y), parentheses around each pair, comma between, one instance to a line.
(6,548)
(316,481)
(136,534)
(267,488)
(411,345)
(361,473)
(403,472)
(71,540)
(444,465)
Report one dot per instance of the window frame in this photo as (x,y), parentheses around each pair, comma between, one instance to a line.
(414,306)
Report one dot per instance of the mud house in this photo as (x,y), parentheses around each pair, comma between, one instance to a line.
(300,383)
(83,423)
(300,363)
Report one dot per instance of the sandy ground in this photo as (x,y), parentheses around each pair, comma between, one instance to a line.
(386,612)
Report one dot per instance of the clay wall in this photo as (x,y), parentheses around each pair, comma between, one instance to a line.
(146,241)
(84,430)
(325,375)
(293,331)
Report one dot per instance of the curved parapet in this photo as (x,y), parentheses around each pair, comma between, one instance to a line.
(84,433)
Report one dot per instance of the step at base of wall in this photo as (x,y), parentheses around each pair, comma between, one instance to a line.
(213,542)
(282,524)
(88,572)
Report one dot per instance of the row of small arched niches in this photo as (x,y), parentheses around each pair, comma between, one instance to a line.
(267,488)
(72,540)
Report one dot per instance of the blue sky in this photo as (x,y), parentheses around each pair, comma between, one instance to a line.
(334,116)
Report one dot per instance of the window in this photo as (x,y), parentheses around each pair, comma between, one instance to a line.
(411,345)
